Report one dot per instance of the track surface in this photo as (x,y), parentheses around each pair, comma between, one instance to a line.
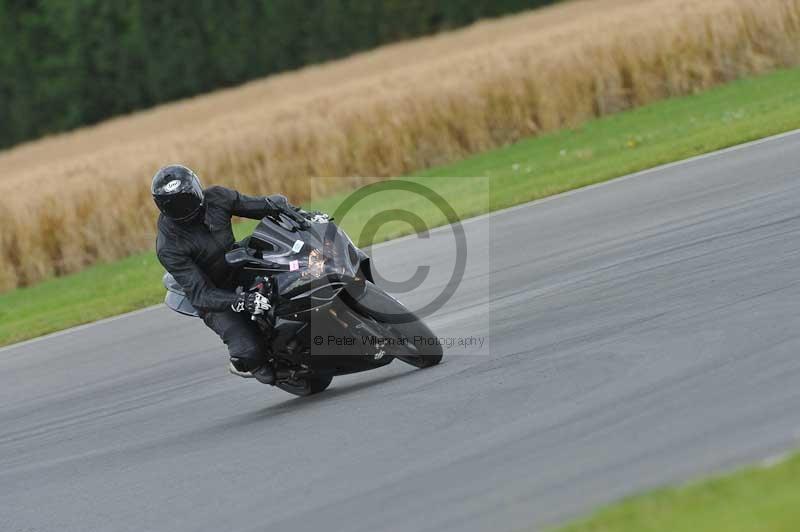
(641,332)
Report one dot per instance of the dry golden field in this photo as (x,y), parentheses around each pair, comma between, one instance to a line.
(74,199)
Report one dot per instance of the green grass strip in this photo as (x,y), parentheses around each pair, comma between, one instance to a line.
(752,500)
(533,168)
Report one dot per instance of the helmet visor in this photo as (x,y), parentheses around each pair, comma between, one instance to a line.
(181,206)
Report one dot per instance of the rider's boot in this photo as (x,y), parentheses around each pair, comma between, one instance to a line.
(241,368)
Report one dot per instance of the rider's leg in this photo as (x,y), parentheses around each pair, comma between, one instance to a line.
(246,345)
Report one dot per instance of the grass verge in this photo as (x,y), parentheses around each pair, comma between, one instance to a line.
(598,151)
(755,499)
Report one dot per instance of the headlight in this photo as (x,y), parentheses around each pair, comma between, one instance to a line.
(316,264)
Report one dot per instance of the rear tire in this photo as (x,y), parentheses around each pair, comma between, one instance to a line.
(305,387)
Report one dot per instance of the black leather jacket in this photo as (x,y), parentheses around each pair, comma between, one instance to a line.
(194,253)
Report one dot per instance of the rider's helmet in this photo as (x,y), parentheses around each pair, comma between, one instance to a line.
(177,192)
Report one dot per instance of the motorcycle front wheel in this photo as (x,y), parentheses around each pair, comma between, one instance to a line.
(422,347)
(425,352)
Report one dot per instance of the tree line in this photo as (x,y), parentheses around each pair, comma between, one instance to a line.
(67,63)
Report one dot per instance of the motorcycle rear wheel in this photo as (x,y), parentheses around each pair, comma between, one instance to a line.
(305,386)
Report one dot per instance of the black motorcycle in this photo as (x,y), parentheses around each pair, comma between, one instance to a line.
(328,317)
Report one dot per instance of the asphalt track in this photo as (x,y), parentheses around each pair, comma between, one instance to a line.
(642,332)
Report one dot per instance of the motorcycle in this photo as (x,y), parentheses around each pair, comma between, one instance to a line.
(327,315)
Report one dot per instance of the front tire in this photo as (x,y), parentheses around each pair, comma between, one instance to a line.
(422,346)
(421,361)
(423,354)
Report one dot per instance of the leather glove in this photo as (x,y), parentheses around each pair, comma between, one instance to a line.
(252,302)
(317,217)
(276,204)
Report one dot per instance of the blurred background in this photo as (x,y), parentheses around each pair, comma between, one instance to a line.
(69,64)
(274,95)
(391,111)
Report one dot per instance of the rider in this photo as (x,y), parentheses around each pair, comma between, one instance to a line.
(194,233)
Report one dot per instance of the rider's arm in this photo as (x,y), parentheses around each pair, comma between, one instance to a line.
(200,290)
(254,207)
